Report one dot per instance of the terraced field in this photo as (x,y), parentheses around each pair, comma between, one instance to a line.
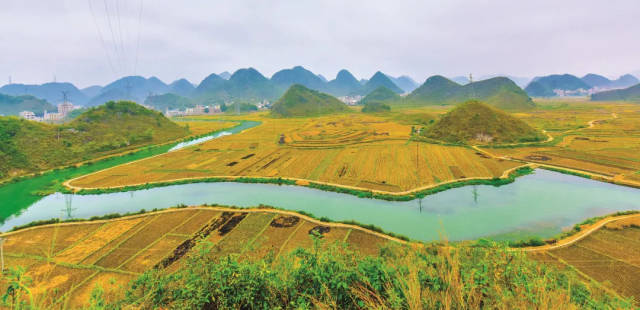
(608,144)
(65,262)
(352,150)
(610,255)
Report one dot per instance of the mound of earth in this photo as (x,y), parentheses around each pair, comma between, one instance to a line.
(477,122)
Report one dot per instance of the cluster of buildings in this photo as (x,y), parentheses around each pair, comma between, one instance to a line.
(197,110)
(63,109)
(351,100)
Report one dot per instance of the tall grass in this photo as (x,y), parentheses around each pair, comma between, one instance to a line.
(400,277)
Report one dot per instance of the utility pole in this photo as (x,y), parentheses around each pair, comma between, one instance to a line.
(2,240)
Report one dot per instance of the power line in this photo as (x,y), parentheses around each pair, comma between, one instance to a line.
(135,65)
(102,42)
(113,35)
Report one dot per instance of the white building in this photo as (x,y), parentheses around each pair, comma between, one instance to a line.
(351,100)
(28,115)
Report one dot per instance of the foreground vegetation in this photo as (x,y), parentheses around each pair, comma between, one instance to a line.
(434,277)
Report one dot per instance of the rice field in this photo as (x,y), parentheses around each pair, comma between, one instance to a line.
(598,138)
(610,255)
(65,262)
(353,150)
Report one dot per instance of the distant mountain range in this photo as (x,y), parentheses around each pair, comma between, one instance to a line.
(595,80)
(545,86)
(249,86)
(550,85)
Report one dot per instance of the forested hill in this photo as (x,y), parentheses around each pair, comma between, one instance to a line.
(27,146)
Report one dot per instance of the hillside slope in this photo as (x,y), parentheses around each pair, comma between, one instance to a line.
(27,146)
(300,101)
(476,122)
(499,92)
(13,105)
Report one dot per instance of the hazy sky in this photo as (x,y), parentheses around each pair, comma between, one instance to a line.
(43,38)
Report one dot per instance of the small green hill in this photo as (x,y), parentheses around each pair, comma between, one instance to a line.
(13,105)
(300,101)
(27,146)
(628,94)
(499,92)
(477,122)
(380,94)
(375,107)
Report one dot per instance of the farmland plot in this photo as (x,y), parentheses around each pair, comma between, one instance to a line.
(111,253)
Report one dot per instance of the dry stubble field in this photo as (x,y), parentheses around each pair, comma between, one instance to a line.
(66,262)
(610,255)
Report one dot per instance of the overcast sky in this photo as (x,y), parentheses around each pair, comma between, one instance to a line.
(191,39)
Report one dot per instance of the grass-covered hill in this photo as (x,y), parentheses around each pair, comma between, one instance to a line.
(27,146)
(381,94)
(628,94)
(499,92)
(375,107)
(300,101)
(544,86)
(476,122)
(13,105)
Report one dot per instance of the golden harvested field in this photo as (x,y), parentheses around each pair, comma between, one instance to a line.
(67,261)
(607,142)
(610,255)
(363,151)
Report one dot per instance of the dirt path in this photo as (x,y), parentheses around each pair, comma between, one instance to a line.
(580,235)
